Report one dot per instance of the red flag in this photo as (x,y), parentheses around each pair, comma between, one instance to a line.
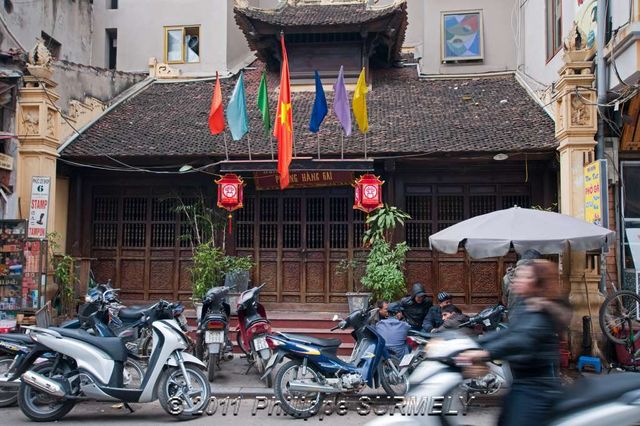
(283,126)
(216,115)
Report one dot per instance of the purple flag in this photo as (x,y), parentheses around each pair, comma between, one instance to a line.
(341,103)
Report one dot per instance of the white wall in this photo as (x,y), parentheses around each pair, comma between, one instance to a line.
(538,71)
(498,38)
(140,25)
(415,30)
(67,21)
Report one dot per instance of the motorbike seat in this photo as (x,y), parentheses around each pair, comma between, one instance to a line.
(325,343)
(419,334)
(591,391)
(133,312)
(111,345)
(16,338)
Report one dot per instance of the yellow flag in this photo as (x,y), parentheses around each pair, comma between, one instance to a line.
(360,103)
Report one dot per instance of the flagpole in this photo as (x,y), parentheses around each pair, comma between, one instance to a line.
(318,140)
(249,144)
(293,142)
(226,150)
(365,144)
(342,145)
(271,145)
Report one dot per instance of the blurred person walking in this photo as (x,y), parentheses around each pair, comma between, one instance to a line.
(530,344)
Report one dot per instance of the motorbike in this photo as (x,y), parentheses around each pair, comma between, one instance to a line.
(131,323)
(253,329)
(16,346)
(593,401)
(499,375)
(213,344)
(87,367)
(315,370)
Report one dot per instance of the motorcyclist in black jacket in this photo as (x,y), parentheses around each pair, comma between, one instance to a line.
(530,344)
(416,306)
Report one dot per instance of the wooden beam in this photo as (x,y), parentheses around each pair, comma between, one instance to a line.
(298,164)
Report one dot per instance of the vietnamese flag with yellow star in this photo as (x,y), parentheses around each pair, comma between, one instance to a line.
(283,125)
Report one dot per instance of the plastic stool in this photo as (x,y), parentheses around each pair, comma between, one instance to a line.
(590,361)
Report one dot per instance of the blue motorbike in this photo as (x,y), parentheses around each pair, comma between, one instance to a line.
(314,369)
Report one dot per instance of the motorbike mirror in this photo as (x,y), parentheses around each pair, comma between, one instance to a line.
(335,317)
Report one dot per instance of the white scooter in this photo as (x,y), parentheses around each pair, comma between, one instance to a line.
(613,399)
(91,368)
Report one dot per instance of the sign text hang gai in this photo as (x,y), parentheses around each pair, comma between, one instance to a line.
(595,187)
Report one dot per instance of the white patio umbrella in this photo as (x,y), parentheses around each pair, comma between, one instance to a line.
(492,234)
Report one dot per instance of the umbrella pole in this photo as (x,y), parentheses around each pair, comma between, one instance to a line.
(595,350)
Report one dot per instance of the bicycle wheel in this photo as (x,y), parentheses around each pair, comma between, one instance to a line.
(619,316)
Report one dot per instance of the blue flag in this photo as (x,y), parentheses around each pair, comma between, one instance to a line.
(237,111)
(320,109)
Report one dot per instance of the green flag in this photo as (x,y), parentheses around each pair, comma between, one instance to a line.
(263,103)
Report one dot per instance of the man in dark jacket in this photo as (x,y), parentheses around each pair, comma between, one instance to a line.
(416,306)
(452,318)
(394,331)
(434,316)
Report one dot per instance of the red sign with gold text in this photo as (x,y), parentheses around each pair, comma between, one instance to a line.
(312,179)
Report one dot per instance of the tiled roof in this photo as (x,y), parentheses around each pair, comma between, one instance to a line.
(406,116)
(326,15)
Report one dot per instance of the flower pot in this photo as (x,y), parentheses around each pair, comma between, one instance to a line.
(237,280)
(358,301)
(232,300)
(198,305)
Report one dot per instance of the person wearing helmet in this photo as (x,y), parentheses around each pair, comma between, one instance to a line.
(434,319)
(416,306)
(394,331)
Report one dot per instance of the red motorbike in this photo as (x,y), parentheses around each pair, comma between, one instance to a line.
(252,331)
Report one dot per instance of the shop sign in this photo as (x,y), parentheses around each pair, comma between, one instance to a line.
(39,207)
(595,191)
(6,162)
(265,181)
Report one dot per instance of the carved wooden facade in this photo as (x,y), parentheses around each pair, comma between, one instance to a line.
(300,238)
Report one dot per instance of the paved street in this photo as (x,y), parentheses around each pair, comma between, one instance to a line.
(97,414)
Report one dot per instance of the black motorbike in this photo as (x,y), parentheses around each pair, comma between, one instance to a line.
(213,344)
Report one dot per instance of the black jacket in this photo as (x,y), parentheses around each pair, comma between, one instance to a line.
(530,344)
(415,312)
(433,319)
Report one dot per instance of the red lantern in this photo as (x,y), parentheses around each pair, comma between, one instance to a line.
(368,195)
(230,193)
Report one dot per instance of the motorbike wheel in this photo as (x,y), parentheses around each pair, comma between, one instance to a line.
(293,404)
(240,344)
(211,366)
(260,366)
(133,374)
(8,395)
(392,381)
(173,385)
(40,406)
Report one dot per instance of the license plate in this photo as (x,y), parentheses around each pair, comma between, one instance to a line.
(406,360)
(214,337)
(272,361)
(260,343)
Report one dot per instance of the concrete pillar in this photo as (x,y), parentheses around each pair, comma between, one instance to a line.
(575,130)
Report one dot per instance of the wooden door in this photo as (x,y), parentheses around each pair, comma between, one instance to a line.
(298,240)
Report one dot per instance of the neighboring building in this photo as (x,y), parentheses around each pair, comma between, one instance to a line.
(433,141)
(196,37)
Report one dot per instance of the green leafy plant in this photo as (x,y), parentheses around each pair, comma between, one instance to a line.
(238,263)
(63,274)
(384,275)
(208,269)
(382,223)
(384,271)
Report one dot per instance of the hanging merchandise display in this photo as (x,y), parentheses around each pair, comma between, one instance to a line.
(230,194)
(368,193)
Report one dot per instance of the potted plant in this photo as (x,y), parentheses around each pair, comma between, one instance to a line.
(207,271)
(237,274)
(384,270)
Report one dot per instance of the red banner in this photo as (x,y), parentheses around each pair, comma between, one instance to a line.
(265,181)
